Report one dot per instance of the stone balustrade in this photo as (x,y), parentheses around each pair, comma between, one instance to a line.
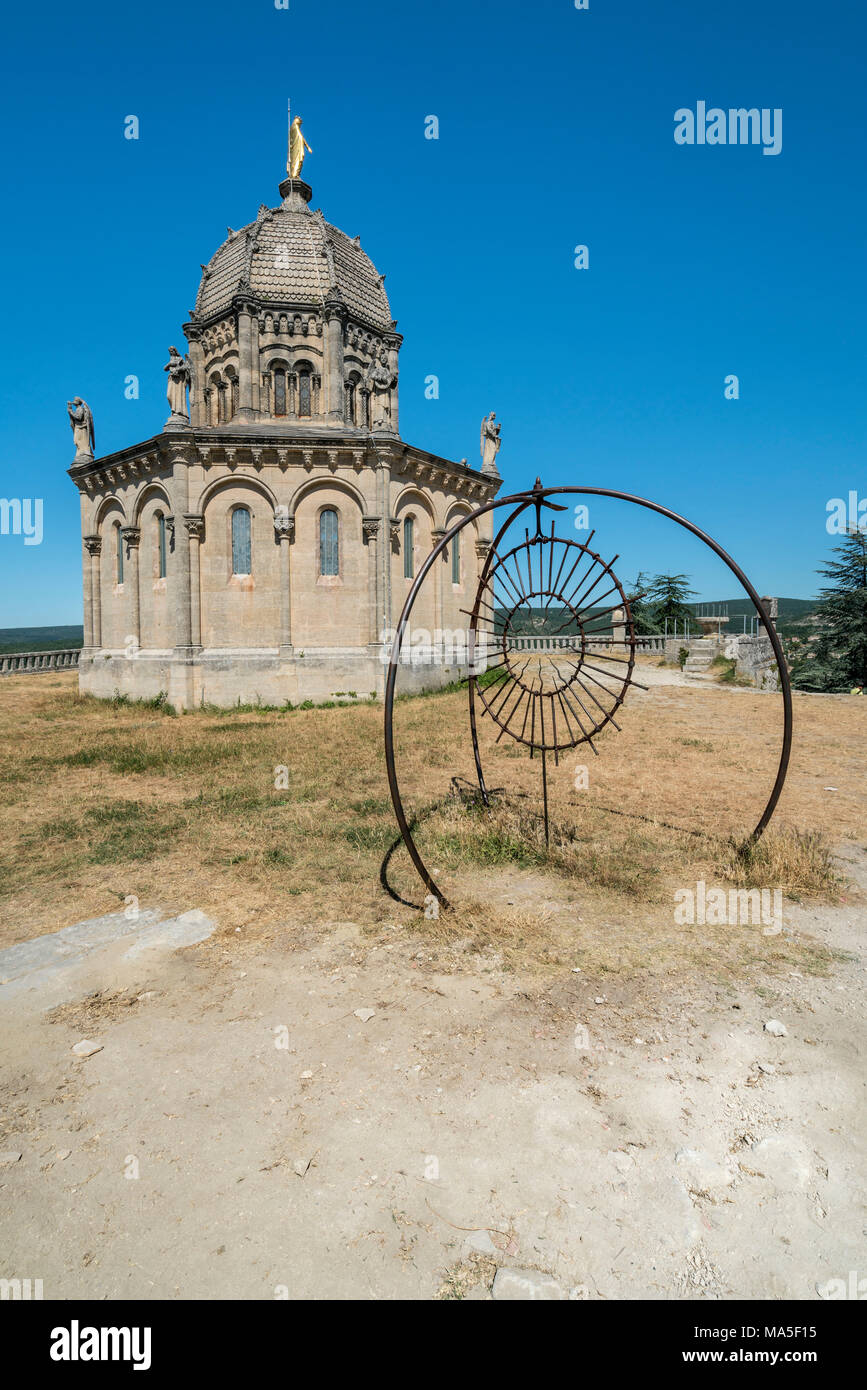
(542,643)
(14,663)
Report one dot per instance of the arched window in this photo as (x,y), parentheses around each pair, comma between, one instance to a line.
(329,544)
(408,547)
(456,559)
(304,391)
(280,391)
(161,546)
(241,541)
(214,400)
(118,551)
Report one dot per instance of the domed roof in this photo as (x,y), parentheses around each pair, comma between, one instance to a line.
(292,256)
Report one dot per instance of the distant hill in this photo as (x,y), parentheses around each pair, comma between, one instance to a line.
(791,611)
(40,639)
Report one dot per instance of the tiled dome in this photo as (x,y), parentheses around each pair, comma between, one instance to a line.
(292,256)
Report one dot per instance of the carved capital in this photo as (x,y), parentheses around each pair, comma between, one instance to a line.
(131,537)
(93,544)
(370,528)
(394,528)
(284,525)
(194,526)
(482,548)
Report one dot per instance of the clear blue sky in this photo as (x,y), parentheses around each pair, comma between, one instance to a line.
(556,128)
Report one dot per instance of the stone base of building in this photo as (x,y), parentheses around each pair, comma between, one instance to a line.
(228,676)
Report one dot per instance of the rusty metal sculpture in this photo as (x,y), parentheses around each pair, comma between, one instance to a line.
(539,613)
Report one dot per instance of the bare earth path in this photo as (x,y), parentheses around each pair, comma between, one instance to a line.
(243,1134)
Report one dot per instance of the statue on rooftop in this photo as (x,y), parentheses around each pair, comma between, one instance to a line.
(81,424)
(297,147)
(490,443)
(178,368)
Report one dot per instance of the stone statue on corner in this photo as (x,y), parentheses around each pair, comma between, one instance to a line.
(380,379)
(490,444)
(81,423)
(178,368)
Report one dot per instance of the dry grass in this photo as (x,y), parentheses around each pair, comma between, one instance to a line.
(103,801)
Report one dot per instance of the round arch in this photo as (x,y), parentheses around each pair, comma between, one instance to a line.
(107,505)
(149,491)
(414,496)
(235,480)
(326,481)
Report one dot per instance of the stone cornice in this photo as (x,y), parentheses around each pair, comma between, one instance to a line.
(257,448)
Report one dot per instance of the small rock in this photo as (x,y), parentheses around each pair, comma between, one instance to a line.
(62,1154)
(703,1173)
(479,1243)
(86,1048)
(766,1066)
(785,1160)
(301,1165)
(526,1285)
(776,1028)
(8,1157)
(306,1075)
(833,1286)
(364,1014)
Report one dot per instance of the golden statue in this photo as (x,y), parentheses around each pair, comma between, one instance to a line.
(297,146)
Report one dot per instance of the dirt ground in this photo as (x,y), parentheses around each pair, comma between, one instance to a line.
(242,1134)
(609,1112)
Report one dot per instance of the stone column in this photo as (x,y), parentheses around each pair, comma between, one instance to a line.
(255,366)
(130,537)
(197,373)
(245,359)
(194,525)
(482,548)
(370,527)
(180,589)
(383,502)
(438,578)
(284,526)
(335,403)
(393,344)
(93,592)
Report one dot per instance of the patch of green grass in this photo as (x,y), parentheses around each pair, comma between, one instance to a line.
(115,831)
(134,757)
(368,837)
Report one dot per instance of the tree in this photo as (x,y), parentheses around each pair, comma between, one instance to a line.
(835,659)
(667,599)
(643,619)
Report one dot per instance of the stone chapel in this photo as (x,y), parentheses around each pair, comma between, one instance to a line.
(260,548)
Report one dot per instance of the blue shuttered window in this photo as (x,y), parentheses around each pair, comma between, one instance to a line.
(329,549)
(119,551)
(408,548)
(161,544)
(241,561)
(456,560)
